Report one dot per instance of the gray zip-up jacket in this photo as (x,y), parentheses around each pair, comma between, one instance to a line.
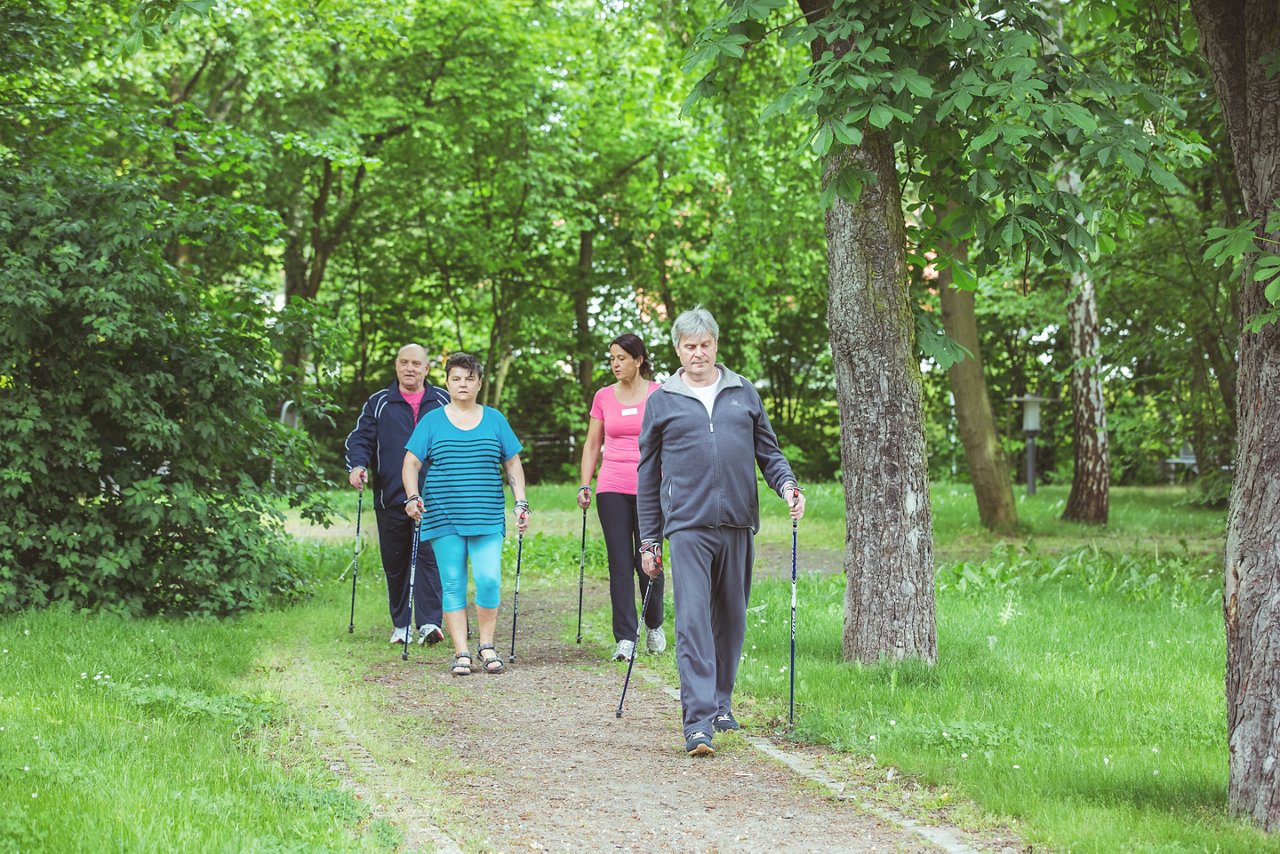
(700,472)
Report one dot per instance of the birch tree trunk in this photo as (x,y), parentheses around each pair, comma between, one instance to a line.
(1091,479)
(889,597)
(976,421)
(1236,37)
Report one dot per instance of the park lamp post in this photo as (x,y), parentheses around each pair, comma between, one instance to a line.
(1030,427)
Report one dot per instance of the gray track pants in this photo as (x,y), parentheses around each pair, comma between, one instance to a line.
(711,584)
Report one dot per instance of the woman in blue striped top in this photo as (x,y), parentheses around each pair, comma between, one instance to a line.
(462,508)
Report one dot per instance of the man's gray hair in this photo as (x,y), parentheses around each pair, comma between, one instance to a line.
(695,322)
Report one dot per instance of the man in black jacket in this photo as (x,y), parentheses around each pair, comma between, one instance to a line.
(377,445)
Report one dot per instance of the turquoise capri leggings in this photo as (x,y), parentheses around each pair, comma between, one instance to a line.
(485,552)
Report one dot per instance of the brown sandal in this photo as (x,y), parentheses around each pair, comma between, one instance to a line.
(458,668)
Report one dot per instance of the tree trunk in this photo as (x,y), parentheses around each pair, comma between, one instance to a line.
(581,319)
(1236,36)
(889,596)
(988,469)
(1091,480)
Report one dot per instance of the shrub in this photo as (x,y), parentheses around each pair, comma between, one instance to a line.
(139,459)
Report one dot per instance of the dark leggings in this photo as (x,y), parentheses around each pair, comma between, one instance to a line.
(621,528)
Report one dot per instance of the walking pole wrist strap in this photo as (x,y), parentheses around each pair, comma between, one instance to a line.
(649,547)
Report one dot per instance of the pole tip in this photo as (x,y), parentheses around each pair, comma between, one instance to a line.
(618,713)
(351,629)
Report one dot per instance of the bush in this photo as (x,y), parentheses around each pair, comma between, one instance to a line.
(140,461)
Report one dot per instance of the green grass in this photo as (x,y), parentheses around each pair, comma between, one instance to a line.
(144,736)
(1095,719)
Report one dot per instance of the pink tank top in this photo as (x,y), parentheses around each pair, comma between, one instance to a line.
(621,440)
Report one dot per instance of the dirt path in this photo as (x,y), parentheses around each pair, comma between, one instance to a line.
(541,762)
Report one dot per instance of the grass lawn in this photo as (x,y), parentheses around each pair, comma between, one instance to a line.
(158,735)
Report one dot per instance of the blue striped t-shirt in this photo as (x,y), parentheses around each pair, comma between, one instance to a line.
(463,492)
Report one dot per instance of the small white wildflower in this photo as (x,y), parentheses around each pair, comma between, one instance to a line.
(753,646)
(108,676)
(35,738)
(1017,767)
(26,767)
(782,669)
(84,675)
(27,632)
(33,794)
(1155,773)
(1106,760)
(893,723)
(871,738)
(964,756)
(1155,749)
(945,734)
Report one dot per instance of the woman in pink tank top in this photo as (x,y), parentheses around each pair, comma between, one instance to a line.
(616,415)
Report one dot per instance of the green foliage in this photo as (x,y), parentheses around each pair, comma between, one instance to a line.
(1180,579)
(1248,251)
(988,103)
(141,451)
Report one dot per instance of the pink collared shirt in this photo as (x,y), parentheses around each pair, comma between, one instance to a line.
(621,440)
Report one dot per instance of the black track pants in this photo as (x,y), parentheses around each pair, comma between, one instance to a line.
(621,528)
(395,537)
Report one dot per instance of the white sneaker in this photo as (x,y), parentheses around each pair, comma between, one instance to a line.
(625,650)
(400,635)
(655,640)
(430,634)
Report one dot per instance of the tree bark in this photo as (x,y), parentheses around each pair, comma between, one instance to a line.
(889,595)
(581,318)
(1235,36)
(889,603)
(976,420)
(1091,480)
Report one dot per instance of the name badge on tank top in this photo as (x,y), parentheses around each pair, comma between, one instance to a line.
(630,410)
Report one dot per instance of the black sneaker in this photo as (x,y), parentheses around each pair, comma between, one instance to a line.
(725,722)
(698,744)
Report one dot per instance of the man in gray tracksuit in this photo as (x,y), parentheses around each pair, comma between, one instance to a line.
(704,433)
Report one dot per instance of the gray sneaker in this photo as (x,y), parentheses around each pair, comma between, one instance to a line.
(725,722)
(698,744)
(625,650)
(430,634)
(400,635)
(655,640)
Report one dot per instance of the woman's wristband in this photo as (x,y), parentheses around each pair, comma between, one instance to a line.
(584,487)
(412,498)
(521,505)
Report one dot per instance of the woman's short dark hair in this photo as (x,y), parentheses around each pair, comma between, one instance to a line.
(464,360)
(634,347)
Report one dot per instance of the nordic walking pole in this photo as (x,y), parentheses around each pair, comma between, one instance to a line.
(355,561)
(515,607)
(582,563)
(791,712)
(413,571)
(644,606)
